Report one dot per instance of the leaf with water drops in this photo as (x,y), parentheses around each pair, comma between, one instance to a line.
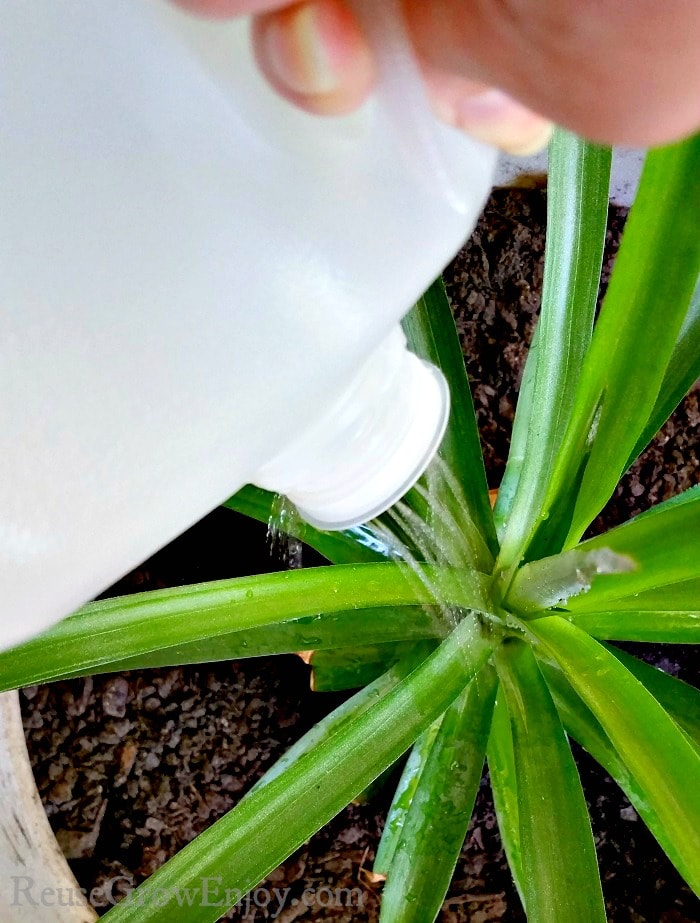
(656,549)
(352,546)
(663,761)
(585,728)
(655,275)
(559,870)
(136,628)
(504,787)
(441,805)
(401,802)
(577,212)
(292,805)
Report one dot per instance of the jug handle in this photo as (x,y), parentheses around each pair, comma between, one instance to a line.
(403,96)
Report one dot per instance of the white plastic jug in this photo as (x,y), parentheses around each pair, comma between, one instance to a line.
(200,287)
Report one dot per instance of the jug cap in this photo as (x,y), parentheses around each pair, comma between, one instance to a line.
(371,447)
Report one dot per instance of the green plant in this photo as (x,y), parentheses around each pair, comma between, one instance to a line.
(528,662)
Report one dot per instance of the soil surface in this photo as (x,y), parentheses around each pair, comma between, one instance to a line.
(131,767)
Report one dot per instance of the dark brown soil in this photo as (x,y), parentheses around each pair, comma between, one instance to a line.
(131,767)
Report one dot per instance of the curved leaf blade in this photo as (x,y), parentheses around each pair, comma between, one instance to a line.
(577,212)
(657,753)
(655,274)
(679,596)
(667,614)
(583,726)
(107,632)
(329,631)
(401,802)
(656,549)
(343,716)
(504,787)
(290,807)
(654,626)
(434,830)
(517,450)
(681,700)
(682,373)
(560,872)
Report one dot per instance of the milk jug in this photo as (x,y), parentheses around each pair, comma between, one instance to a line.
(201,287)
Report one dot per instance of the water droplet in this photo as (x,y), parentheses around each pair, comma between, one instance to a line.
(284,519)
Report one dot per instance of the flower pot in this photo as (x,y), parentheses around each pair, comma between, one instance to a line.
(36,883)
(531,171)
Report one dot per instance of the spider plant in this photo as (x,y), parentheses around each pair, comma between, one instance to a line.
(531,661)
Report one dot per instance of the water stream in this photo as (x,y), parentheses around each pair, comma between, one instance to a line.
(429,526)
(285,520)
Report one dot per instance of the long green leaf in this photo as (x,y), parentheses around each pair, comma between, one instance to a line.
(655,274)
(330,630)
(583,726)
(504,787)
(669,613)
(658,754)
(518,440)
(282,814)
(442,804)
(682,373)
(680,596)
(681,700)
(401,802)
(660,547)
(654,626)
(560,873)
(577,212)
(105,633)
(431,333)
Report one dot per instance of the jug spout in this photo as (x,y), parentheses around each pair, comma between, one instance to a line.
(372,445)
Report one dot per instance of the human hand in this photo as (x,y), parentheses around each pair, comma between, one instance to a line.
(626,72)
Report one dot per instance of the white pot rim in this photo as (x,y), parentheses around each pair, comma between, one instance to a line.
(35,879)
(626,170)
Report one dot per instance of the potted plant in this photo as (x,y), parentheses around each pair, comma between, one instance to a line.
(479,636)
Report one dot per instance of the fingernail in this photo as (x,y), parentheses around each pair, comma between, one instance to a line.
(495,118)
(297,51)
(534,141)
